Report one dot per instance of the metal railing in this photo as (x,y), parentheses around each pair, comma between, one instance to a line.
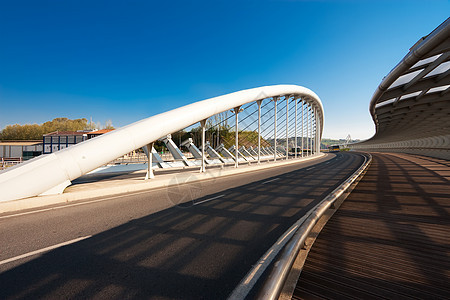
(9,162)
(274,283)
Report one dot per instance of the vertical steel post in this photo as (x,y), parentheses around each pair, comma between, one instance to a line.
(259,130)
(316,121)
(149,174)
(295,127)
(315,131)
(203,124)
(307,130)
(287,127)
(310,130)
(303,124)
(218,134)
(236,151)
(319,133)
(275,129)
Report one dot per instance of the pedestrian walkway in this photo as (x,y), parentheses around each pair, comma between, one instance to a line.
(389,239)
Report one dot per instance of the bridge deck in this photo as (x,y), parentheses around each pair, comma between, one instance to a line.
(389,239)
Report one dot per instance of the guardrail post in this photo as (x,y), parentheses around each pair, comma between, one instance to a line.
(259,130)
(203,125)
(287,127)
(275,99)
(149,174)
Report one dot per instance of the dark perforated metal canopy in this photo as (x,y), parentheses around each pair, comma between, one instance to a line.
(411,106)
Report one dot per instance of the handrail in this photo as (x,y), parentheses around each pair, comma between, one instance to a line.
(53,172)
(274,283)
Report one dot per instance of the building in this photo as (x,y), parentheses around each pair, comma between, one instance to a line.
(20,150)
(98,132)
(59,140)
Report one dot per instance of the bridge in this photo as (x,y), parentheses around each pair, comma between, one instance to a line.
(260,214)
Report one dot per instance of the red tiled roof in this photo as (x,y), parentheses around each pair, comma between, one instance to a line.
(100,131)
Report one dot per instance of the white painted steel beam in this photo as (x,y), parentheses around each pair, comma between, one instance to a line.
(54,172)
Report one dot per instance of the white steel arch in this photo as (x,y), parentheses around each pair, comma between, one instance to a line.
(50,174)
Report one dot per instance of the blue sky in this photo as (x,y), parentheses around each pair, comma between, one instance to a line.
(128,60)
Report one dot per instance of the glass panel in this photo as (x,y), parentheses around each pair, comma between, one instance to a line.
(444,67)
(438,89)
(426,61)
(410,95)
(404,79)
(385,103)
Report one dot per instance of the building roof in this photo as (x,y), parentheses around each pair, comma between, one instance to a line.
(20,143)
(102,131)
(57,133)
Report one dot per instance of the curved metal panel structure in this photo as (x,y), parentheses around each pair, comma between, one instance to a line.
(411,106)
(52,173)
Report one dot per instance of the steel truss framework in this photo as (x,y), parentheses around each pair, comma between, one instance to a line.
(411,106)
(51,174)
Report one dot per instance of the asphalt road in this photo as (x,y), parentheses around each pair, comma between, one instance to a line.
(198,249)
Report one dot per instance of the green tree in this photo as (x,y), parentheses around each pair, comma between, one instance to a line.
(35,131)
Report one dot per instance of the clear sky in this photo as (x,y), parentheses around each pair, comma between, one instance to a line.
(128,60)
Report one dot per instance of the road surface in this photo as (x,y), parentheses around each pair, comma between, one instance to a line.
(199,249)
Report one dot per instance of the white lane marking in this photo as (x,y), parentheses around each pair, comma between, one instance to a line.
(309,168)
(220,196)
(46,249)
(327,162)
(270,180)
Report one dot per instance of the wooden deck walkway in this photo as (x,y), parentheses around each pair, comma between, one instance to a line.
(389,239)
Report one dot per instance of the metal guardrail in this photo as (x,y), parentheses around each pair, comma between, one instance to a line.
(6,163)
(278,275)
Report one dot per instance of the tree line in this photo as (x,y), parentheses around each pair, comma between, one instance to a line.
(216,134)
(36,131)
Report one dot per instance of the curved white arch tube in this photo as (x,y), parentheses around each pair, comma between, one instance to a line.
(52,173)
